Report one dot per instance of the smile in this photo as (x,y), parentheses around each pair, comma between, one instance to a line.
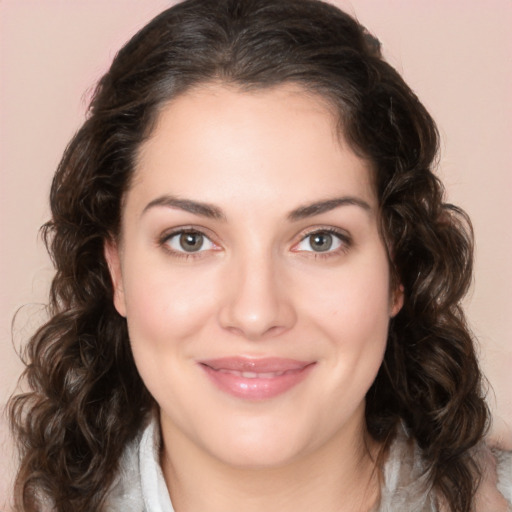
(255,379)
(254,375)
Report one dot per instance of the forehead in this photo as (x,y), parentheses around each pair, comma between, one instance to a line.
(219,143)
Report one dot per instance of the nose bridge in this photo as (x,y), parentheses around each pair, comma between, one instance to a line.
(256,304)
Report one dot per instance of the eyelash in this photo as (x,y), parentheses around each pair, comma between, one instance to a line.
(343,238)
(166,237)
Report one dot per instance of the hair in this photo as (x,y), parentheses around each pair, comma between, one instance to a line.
(87,401)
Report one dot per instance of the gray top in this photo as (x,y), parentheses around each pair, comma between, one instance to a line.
(140,485)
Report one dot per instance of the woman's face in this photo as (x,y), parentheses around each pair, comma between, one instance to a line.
(252,275)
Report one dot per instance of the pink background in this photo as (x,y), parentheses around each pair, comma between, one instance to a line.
(457,56)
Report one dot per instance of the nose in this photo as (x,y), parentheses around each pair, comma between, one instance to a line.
(257,302)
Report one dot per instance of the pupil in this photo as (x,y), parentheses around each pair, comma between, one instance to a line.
(191,242)
(321,242)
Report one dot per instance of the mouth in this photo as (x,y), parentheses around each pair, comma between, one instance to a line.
(256,379)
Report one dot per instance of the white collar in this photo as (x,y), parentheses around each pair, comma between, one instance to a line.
(154,489)
(140,485)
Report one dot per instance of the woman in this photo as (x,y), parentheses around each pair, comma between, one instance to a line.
(258,283)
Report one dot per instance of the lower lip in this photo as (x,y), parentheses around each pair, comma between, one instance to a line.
(257,388)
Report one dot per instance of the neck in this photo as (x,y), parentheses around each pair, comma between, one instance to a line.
(339,476)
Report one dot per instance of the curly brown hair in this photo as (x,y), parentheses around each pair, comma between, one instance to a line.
(87,400)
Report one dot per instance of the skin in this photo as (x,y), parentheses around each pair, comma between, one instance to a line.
(256,288)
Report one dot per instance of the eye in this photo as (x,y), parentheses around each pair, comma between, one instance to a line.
(189,241)
(322,241)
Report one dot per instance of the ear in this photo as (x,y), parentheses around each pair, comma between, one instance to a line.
(111,252)
(397,300)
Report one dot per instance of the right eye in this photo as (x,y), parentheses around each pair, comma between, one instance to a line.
(188,241)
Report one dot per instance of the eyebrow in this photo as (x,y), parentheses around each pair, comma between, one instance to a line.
(195,207)
(213,212)
(318,207)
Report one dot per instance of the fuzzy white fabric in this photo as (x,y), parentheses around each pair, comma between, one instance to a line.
(140,485)
(405,486)
(504,473)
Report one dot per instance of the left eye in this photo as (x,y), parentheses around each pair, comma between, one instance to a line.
(189,241)
(320,241)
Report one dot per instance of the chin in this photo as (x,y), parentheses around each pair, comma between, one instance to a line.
(259,444)
(256,455)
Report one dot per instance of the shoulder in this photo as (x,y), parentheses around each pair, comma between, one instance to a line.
(495,490)
(406,484)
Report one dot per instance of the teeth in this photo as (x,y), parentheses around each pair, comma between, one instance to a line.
(252,375)
(270,375)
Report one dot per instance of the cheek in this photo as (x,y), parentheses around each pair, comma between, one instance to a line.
(168,311)
(166,304)
(352,300)
(351,307)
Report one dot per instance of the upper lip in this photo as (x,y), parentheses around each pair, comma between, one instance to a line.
(256,365)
